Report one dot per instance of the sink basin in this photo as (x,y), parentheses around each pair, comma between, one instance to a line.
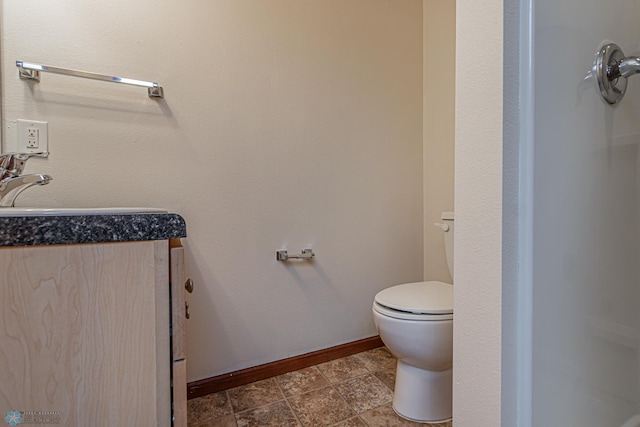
(4,212)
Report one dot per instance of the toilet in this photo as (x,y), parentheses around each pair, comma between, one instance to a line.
(415,322)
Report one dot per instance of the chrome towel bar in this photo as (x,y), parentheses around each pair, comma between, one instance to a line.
(30,71)
(306,255)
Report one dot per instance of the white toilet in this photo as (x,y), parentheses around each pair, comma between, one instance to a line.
(415,321)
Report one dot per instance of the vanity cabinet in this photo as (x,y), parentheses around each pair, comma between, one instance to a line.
(86,336)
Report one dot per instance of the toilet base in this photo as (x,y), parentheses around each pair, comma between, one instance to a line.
(421,395)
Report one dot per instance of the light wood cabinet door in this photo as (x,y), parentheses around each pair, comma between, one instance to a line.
(180,393)
(178,302)
(178,324)
(79,332)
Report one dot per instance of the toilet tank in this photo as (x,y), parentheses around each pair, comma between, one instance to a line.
(447,218)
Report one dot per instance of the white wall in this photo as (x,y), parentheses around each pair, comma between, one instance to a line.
(586,222)
(438,64)
(286,124)
(478,201)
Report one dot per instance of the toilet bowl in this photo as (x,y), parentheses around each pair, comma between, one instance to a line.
(415,322)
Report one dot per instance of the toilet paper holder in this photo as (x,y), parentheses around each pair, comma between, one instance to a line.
(306,255)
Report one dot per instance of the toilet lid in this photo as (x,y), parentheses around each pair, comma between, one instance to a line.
(418,298)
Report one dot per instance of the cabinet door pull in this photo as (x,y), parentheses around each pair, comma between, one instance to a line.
(186,310)
(188,285)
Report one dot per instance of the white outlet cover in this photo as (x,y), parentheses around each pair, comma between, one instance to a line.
(23,137)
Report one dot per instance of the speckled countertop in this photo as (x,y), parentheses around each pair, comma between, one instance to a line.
(71,229)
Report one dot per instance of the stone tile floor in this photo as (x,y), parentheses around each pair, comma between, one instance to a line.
(355,391)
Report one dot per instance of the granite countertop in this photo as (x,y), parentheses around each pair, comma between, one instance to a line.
(72,229)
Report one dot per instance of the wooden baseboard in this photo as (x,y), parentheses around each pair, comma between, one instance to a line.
(279,367)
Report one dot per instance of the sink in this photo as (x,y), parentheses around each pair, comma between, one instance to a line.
(4,212)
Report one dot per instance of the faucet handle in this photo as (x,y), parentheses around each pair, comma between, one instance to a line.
(12,164)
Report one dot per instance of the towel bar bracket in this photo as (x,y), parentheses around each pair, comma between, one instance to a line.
(26,74)
(155,92)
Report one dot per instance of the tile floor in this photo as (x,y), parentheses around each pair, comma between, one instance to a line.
(355,391)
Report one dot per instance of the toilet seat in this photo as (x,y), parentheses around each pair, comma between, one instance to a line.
(431,300)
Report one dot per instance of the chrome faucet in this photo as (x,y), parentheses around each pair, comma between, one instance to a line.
(612,69)
(627,67)
(11,182)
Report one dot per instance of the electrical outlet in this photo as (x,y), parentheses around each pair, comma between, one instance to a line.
(32,136)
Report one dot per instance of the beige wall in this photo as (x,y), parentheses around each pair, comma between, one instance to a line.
(439,38)
(286,124)
(477,330)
